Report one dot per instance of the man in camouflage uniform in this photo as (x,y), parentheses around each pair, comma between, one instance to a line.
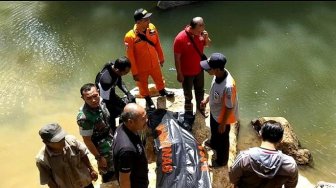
(93,120)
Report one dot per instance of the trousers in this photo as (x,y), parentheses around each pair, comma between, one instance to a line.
(220,142)
(198,82)
(143,81)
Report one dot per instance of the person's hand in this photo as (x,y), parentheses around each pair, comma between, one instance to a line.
(130,98)
(93,174)
(203,103)
(102,164)
(136,77)
(180,78)
(205,34)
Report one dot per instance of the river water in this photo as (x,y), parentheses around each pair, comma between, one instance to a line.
(282,55)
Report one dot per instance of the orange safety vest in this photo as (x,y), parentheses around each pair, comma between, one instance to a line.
(142,55)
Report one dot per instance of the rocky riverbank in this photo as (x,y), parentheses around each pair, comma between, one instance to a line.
(201,131)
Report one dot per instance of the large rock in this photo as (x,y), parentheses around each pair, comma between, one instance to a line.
(290,144)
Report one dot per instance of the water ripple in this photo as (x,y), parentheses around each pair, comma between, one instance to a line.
(34,56)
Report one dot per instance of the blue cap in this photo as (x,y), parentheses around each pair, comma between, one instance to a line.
(216,60)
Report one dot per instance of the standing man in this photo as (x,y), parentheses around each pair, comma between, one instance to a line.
(63,161)
(107,79)
(223,99)
(129,154)
(188,48)
(265,166)
(144,50)
(93,120)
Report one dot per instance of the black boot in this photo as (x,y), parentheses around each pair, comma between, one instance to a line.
(149,103)
(164,92)
(189,119)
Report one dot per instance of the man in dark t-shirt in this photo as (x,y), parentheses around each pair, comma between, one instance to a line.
(130,160)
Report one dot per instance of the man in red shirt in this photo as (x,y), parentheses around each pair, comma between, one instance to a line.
(188,49)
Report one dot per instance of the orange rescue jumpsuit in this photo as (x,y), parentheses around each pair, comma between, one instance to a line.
(145,58)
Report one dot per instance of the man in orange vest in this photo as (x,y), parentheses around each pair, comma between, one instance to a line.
(223,100)
(144,50)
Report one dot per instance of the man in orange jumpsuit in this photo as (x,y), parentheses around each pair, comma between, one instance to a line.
(144,50)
